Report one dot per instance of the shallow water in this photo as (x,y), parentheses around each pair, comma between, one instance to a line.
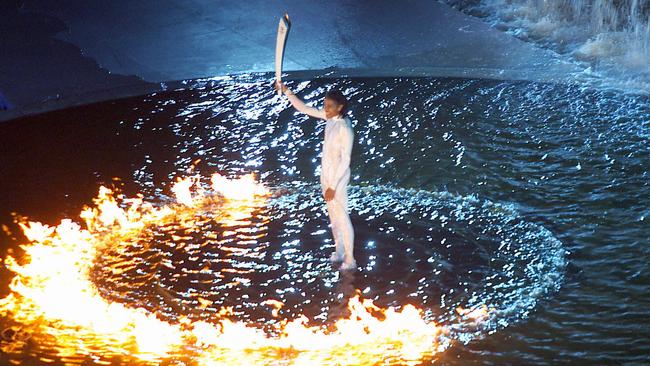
(529,198)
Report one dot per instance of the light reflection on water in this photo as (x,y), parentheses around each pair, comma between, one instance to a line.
(455,186)
(434,250)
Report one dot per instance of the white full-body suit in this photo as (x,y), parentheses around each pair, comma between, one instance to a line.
(335,174)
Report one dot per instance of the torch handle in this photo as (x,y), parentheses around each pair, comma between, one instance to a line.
(281,41)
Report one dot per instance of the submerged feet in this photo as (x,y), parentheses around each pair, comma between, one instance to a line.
(347,265)
(339,255)
(336,257)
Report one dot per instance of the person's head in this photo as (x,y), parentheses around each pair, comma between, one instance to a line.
(336,104)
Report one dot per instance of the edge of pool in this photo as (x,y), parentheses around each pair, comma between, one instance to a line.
(144,88)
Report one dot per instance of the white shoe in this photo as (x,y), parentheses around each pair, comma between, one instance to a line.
(349,266)
(335,257)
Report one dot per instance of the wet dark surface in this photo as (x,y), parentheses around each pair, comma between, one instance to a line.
(529,198)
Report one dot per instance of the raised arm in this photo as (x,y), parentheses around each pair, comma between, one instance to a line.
(300,105)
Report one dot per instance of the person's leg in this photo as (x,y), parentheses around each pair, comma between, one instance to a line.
(339,252)
(347,233)
(344,225)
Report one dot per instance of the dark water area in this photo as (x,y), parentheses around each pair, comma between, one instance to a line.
(529,198)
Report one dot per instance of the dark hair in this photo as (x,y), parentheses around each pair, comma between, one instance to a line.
(339,98)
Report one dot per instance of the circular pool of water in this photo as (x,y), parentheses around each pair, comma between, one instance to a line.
(463,192)
(434,250)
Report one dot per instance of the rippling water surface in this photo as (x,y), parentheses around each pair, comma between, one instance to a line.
(531,199)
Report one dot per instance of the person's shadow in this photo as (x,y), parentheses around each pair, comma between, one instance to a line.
(345,290)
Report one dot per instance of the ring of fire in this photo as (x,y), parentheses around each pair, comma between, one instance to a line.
(55,297)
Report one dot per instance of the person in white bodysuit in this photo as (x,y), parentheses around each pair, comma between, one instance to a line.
(335,168)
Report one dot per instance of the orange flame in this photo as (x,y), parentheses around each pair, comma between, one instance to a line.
(52,293)
(476,315)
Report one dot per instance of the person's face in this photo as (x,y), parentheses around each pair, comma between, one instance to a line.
(332,109)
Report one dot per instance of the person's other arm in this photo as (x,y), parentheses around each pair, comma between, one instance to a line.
(300,105)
